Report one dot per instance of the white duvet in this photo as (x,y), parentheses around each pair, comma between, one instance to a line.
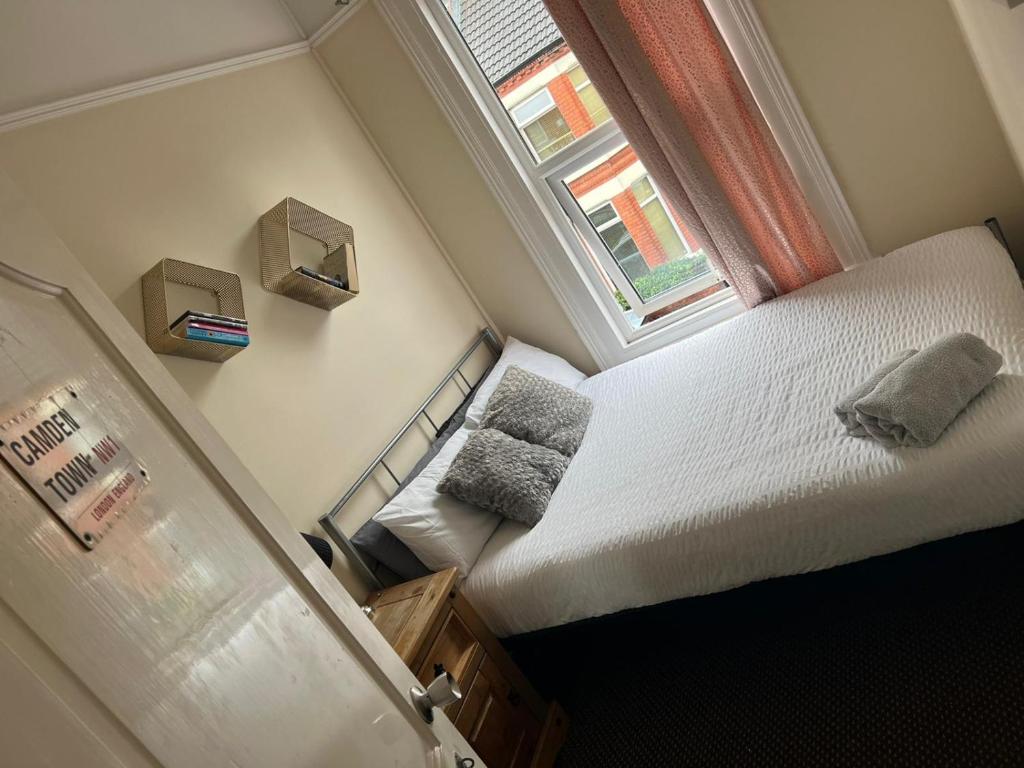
(718,461)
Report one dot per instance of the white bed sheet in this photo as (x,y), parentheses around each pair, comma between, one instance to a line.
(717,461)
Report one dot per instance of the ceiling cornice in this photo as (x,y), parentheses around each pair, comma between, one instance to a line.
(73,104)
(67,106)
(339,18)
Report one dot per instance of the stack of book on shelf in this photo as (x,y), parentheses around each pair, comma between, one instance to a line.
(322,278)
(216,329)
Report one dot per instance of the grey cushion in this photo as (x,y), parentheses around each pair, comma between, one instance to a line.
(505,475)
(531,408)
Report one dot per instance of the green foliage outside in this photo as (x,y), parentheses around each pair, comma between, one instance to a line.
(665,277)
(622,301)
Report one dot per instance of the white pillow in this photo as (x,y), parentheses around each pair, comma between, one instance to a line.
(529,359)
(439,529)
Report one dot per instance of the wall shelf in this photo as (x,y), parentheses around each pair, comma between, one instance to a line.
(225,286)
(276,269)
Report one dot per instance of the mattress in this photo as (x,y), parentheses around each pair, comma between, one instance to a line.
(717,461)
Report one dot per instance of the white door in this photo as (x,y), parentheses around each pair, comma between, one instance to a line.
(196,629)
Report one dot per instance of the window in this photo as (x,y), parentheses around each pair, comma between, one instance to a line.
(648,258)
(652,254)
(664,225)
(642,263)
(619,241)
(589,96)
(542,124)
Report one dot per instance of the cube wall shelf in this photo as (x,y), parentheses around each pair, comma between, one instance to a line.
(226,288)
(278,273)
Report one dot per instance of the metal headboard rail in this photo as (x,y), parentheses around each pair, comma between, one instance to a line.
(327,521)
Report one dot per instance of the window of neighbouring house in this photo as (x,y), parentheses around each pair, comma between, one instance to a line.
(638,253)
(589,96)
(620,242)
(542,123)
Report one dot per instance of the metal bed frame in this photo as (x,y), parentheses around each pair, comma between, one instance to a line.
(328,521)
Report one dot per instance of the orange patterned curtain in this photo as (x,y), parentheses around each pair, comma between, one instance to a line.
(674,89)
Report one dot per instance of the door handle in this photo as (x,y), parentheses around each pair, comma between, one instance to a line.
(441,692)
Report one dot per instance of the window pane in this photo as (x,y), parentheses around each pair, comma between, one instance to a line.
(643,189)
(664,230)
(589,96)
(533,106)
(523,56)
(577,76)
(644,240)
(594,105)
(548,134)
(603,215)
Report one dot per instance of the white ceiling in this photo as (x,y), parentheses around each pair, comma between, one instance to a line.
(55,49)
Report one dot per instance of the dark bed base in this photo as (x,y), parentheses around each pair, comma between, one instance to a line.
(913,658)
(997,232)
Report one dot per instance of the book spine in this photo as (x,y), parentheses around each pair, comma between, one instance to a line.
(211,326)
(219,319)
(241,325)
(179,328)
(191,314)
(198,334)
(322,278)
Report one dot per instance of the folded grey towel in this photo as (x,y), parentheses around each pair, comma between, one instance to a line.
(916,401)
(844,408)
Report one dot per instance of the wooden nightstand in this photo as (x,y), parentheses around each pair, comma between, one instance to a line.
(434,628)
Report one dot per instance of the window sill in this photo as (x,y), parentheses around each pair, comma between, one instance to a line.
(705,314)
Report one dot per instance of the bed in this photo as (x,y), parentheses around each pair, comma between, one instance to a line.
(717,461)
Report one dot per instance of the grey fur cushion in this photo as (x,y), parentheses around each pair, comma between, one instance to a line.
(508,476)
(538,410)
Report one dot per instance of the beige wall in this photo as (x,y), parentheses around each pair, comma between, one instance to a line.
(995,34)
(399,112)
(899,109)
(186,173)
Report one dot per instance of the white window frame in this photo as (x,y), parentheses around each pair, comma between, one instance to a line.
(568,215)
(702,281)
(564,163)
(429,37)
(537,116)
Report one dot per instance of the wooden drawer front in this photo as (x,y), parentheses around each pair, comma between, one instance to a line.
(406,614)
(391,618)
(458,652)
(496,722)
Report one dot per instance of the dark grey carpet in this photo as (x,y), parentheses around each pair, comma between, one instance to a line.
(912,659)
